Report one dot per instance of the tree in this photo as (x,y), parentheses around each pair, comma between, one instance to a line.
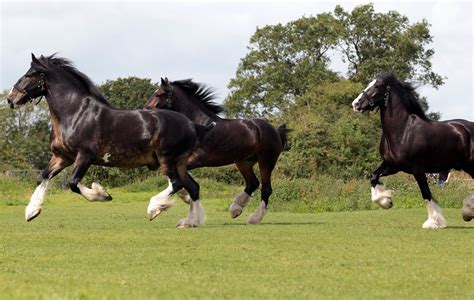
(24,136)
(283,62)
(128,93)
(372,42)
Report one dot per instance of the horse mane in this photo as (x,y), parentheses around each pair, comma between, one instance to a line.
(408,95)
(68,66)
(205,94)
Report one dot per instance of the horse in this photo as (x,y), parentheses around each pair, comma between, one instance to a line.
(87,130)
(243,142)
(414,144)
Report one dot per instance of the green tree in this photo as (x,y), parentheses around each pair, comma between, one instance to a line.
(371,42)
(24,136)
(283,62)
(128,93)
(328,137)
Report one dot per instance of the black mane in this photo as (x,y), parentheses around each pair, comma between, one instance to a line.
(205,94)
(408,95)
(67,65)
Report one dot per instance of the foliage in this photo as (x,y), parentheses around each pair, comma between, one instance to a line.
(128,93)
(24,136)
(371,42)
(328,138)
(282,63)
(285,61)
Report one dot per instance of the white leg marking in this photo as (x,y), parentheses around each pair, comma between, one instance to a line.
(467,210)
(382,196)
(258,215)
(160,202)
(435,218)
(196,216)
(240,202)
(36,201)
(95,193)
(106,157)
(183,195)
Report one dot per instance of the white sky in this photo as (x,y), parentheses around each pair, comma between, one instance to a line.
(206,40)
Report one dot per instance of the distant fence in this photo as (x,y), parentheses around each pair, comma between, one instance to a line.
(31,175)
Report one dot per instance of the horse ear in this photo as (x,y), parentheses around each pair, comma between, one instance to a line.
(37,64)
(163,82)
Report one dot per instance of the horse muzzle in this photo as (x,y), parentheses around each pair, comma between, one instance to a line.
(15,98)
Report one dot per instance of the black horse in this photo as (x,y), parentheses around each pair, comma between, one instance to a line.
(414,144)
(87,130)
(240,142)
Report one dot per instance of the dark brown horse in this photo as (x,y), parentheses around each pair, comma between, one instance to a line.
(240,142)
(87,130)
(414,144)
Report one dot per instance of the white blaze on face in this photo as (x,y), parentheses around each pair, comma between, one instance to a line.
(9,93)
(356,100)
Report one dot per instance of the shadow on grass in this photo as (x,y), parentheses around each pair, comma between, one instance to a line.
(459,227)
(267,224)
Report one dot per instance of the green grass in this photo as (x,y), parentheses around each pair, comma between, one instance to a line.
(81,250)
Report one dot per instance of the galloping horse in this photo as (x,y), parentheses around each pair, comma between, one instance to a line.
(240,142)
(87,130)
(414,144)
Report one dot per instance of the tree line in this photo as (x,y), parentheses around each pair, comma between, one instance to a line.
(286,76)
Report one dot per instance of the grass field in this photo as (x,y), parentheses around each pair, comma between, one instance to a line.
(82,250)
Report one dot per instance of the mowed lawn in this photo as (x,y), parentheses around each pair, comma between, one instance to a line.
(76,249)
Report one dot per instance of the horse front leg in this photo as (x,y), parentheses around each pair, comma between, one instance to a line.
(435,218)
(54,167)
(251,184)
(197,159)
(380,194)
(97,192)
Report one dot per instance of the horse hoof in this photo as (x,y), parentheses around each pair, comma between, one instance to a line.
(31,215)
(235,210)
(433,224)
(107,197)
(153,214)
(184,225)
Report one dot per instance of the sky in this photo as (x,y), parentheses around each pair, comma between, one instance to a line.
(206,40)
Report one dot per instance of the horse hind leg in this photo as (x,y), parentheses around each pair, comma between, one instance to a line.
(251,184)
(196,216)
(467,210)
(435,217)
(266,165)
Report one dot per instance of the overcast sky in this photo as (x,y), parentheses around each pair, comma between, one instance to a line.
(206,40)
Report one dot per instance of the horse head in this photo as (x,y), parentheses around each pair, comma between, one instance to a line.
(30,86)
(376,94)
(162,98)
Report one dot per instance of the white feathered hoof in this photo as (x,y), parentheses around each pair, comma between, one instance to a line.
(238,204)
(434,224)
(196,216)
(467,210)
(258,215)
(31,212)
(102,194)
(435,217)
(382,196)
(235,210)
(157,206)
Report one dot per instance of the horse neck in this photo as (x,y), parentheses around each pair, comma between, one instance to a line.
(62,98)
(194,112)
(394,118)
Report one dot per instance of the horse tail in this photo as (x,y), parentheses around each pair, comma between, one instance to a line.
(202,130)
(283,132)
